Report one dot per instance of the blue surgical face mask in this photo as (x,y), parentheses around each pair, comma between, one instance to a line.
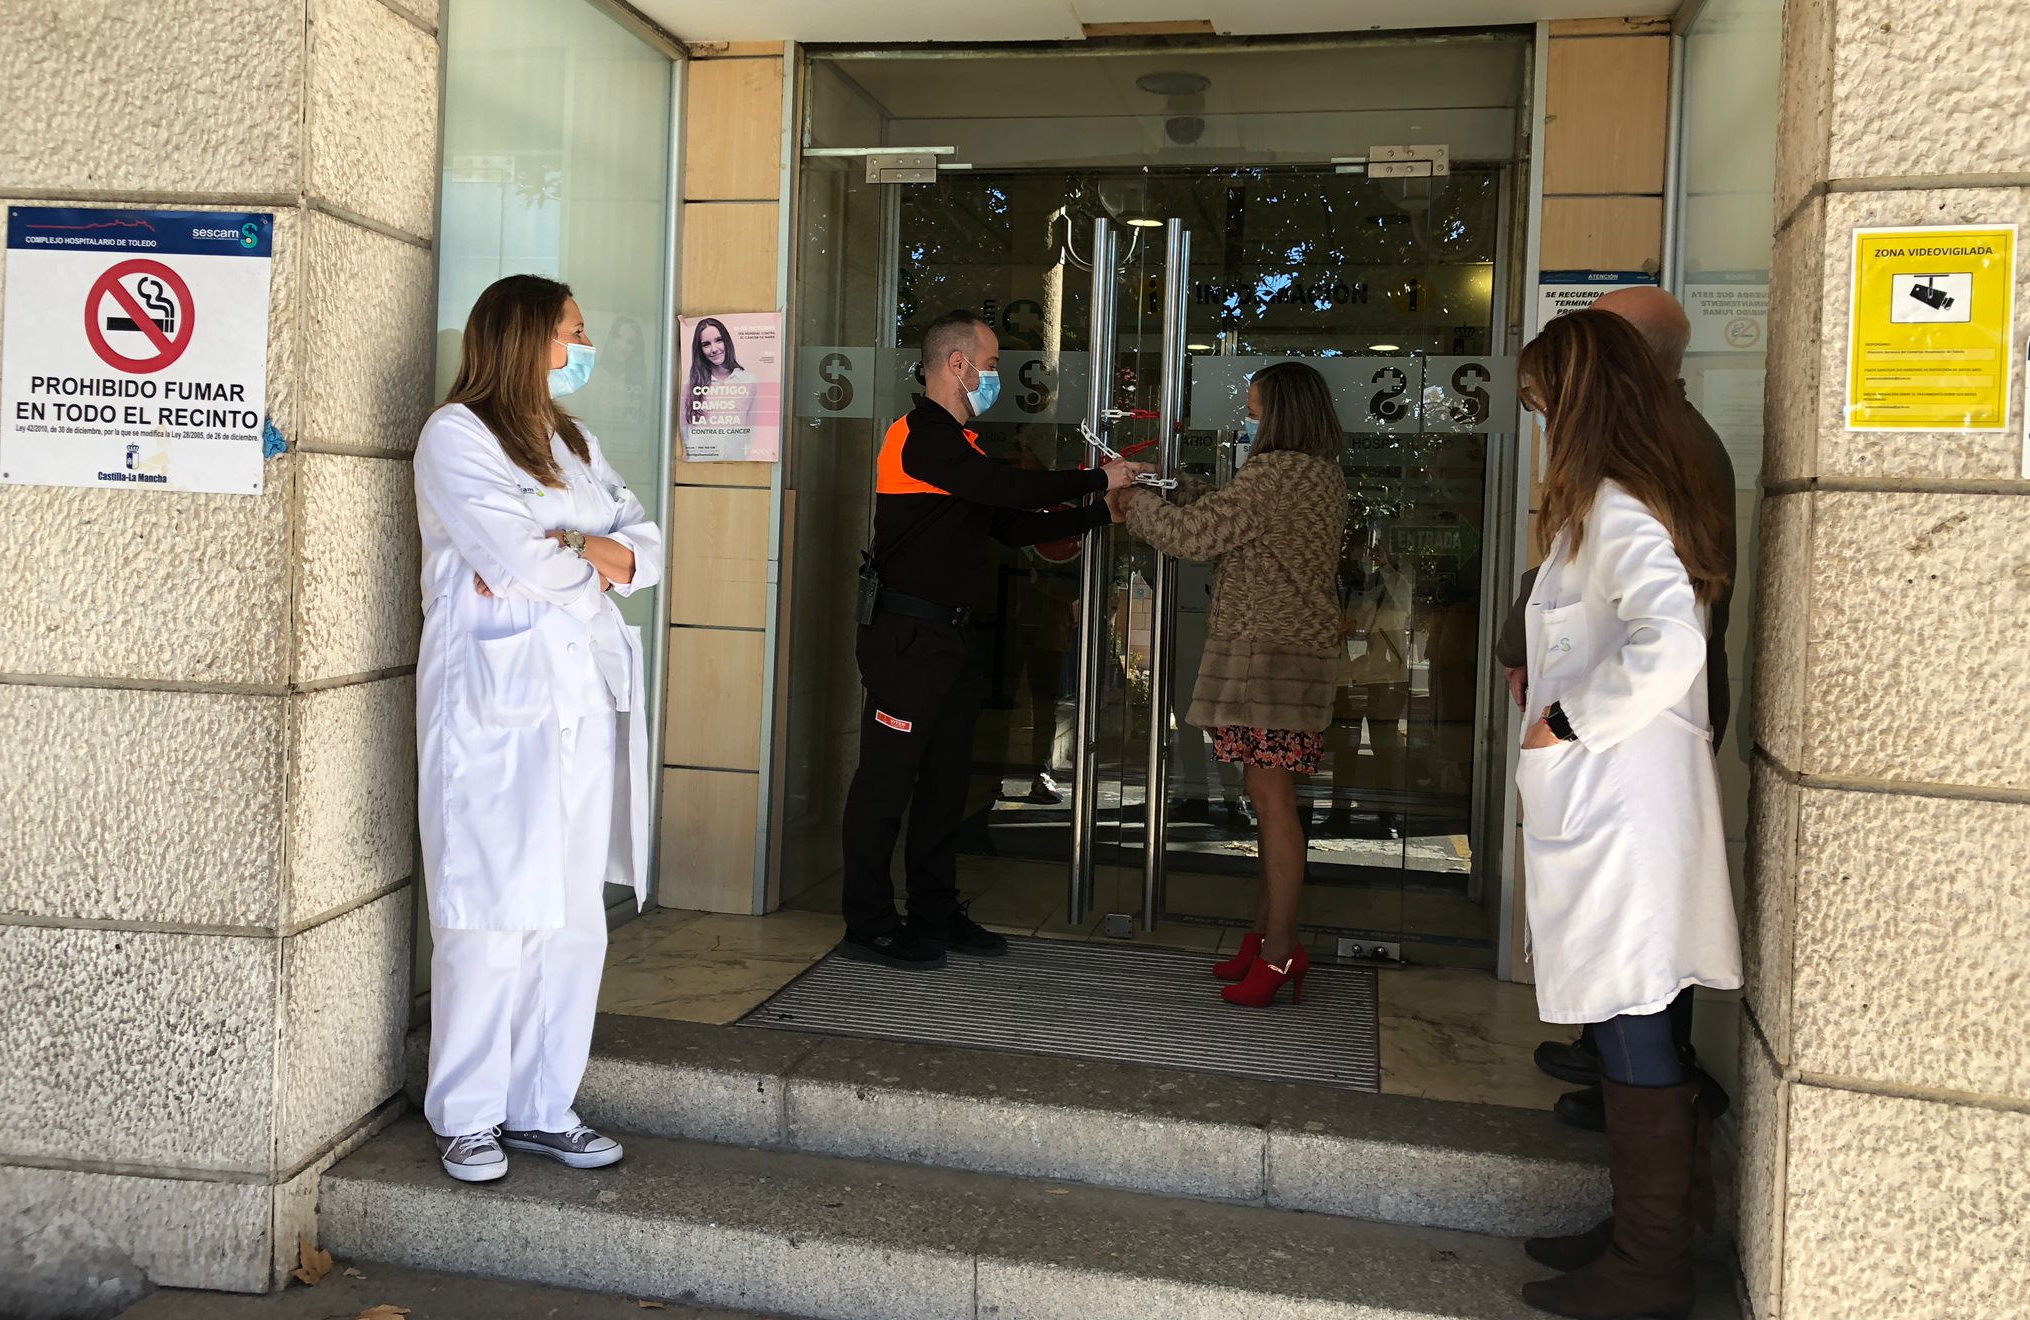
(982,396)
(577,369)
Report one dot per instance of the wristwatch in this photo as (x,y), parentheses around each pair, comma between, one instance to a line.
(575,543)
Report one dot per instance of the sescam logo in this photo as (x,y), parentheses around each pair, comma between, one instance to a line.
(219,233)
(250,234)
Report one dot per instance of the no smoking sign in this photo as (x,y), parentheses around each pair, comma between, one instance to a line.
(135,347)
(139,316)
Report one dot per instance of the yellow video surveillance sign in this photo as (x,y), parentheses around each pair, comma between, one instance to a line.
(1928,345)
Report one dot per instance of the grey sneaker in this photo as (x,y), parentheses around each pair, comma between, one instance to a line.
(474,1157)
(580,1147)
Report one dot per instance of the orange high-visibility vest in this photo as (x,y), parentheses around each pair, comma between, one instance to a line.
(890,479)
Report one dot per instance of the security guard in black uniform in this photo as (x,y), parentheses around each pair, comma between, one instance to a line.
(938,498)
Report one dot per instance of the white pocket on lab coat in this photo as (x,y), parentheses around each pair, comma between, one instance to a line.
(1546,780)
(510,679)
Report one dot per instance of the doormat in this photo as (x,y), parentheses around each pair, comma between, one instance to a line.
(1098,1001)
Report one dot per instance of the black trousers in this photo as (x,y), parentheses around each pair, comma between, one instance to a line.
(916,750)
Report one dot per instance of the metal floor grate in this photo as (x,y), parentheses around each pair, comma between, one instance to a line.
(1095,1001)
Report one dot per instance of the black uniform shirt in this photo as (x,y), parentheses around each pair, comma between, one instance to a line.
(938,498)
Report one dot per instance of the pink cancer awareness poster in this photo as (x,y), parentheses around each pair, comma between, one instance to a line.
(730,388)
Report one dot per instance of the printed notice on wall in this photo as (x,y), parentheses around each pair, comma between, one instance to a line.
(1729,310)
(1561,291)
(730,410)
(1929,346)
(136,349)
(1730,399)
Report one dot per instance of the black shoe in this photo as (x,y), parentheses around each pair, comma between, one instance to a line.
(1336,823)
(1583,1109)
(1713,1097)
(1569,1061)
(900,948)
(1386,826)
(959,933)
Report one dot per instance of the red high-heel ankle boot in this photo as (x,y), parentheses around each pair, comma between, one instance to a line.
(1234,968)
(1266,978)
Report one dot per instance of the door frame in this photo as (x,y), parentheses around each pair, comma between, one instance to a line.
(1517,269)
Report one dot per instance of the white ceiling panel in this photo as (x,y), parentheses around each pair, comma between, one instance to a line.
(885,21)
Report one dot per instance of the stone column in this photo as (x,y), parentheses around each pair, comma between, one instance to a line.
(206,701)
(1886,1071)
(720,512)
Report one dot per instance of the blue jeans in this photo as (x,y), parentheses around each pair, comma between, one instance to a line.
(1639,1050)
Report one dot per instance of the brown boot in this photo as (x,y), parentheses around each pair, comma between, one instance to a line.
(1574,1251)
(1646,1274)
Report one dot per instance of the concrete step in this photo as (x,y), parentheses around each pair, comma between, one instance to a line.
(1394,1159)
(426,1295)
(836,1239)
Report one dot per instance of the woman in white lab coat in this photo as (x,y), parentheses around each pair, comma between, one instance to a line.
(1628,892)
(531,741)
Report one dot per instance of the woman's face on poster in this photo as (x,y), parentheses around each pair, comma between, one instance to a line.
(713,345)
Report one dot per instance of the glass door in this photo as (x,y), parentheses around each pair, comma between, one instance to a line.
(1304,264)
(1096,808)
(1091,796)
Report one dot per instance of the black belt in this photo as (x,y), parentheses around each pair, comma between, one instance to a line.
(916,607)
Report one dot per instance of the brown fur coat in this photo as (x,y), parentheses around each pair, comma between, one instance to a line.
(1273,656)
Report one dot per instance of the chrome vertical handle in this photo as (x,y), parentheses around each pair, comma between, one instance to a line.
(1085,788)
(1163,595)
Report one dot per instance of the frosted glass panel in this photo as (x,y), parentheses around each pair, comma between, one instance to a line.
(1726,226)
(1726,221)
(556,162)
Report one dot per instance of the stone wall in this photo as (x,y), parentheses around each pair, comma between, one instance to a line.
(206,701)
(1886,1116)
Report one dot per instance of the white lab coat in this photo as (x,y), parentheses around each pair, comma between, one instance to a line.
(500,680)
(1628,893)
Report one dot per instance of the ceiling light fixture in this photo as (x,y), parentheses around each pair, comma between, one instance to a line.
(1384,348)
(1143,222)
(1173,83)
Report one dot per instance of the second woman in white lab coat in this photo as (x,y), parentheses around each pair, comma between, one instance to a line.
(531,739)
(1628,892)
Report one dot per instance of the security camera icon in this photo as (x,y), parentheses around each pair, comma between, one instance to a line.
(1930,294)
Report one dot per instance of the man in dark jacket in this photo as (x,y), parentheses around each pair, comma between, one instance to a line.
(1664,327)
(938,498)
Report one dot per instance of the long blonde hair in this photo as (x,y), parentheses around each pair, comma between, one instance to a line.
(1609,415)
(504,373)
